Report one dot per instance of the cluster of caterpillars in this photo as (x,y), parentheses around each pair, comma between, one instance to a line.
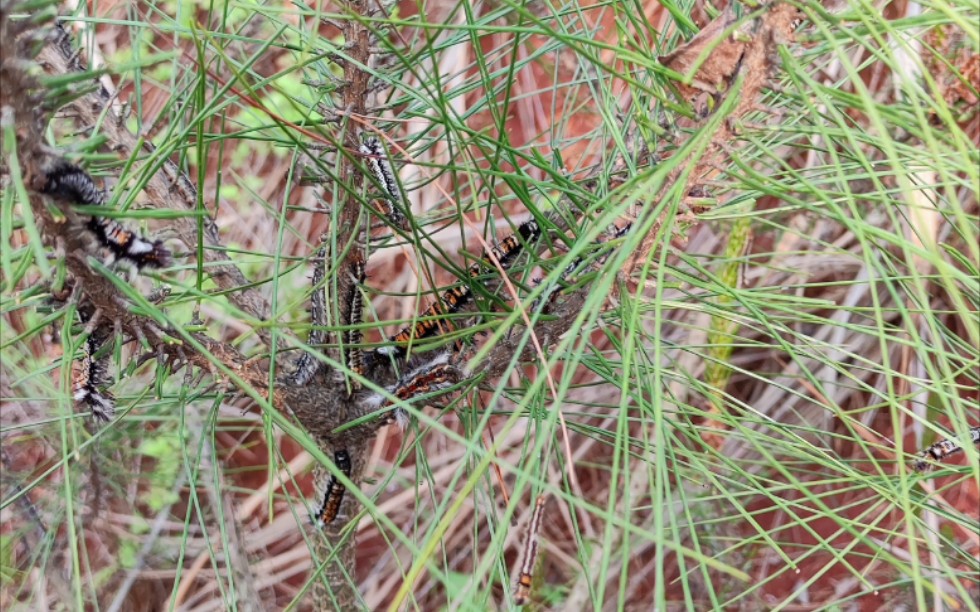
(434,374)
(72,185)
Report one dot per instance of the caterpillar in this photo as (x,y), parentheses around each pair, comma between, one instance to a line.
(355,306)
(942,450)
(434,375)
(308,365)
(89,375)
(377,160)
(453,300)
(522,593)
(69,182)
(333,492)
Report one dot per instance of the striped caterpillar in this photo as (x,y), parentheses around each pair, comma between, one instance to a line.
(308,365)
(355,306)
(377,160)
(522,594)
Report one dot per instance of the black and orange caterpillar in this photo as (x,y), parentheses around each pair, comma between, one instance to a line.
(453,300)
(68,182)
(333,493)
